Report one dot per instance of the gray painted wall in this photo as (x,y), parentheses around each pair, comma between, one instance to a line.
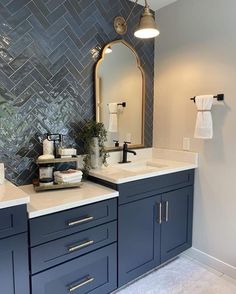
(196,54)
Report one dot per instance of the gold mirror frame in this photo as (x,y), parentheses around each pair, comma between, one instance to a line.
(97,91)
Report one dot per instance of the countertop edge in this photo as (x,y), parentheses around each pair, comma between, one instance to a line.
(71,205)
(14,202)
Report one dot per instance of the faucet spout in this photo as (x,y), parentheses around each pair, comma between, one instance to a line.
(131,151)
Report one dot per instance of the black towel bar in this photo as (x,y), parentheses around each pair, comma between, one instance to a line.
(123,104)
(219,97)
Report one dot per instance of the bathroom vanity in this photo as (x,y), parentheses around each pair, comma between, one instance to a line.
(154,214)
(154,222)
(97,238)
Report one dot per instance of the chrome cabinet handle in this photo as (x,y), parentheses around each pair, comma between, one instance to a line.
(80,246)
(80,221)
(73,288)
(167,211)
(159,220)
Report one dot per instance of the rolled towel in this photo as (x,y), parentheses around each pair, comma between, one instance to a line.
(113,119)
(204,125)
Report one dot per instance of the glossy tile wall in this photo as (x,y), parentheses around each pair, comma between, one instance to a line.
(47,73)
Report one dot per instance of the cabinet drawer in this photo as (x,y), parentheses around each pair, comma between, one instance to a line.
(59,251)
(136,190)
(13,220)
(54,226)
(92,273)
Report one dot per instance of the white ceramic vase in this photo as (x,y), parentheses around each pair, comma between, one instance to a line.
(96,160)
(2,173)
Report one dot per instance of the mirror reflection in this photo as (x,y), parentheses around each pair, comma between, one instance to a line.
(120,94)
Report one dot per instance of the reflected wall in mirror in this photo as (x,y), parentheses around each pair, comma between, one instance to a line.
(120,84)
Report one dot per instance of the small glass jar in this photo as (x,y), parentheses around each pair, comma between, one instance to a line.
(46,172)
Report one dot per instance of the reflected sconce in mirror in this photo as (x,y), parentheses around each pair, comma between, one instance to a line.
(108,50)
(147,27)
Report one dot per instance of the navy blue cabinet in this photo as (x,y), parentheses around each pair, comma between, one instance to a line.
(92,273)
(14,273)
(53,226)
(14,267)
(75,251)
(154,223)
(13,221)
(176,231)
(70,247)
(139,238)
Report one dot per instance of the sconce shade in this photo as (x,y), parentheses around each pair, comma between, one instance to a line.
(147,27)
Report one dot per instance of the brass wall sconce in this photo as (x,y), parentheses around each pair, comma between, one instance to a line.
(147,27)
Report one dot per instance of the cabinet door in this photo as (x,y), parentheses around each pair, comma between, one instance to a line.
(138,238)
(176,232)
(14,275)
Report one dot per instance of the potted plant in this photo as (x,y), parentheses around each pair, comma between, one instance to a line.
(94,136)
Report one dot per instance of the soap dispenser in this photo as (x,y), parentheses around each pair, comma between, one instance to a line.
(116,143)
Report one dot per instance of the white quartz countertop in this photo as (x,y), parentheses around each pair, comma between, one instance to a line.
(148,163)
(43,203)
(139,170)
(10,195)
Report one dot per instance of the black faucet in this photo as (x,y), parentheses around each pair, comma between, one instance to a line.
(125,152)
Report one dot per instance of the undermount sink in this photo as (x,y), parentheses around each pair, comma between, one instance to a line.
(141,166)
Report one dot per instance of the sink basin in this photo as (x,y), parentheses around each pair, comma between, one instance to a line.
(141,166)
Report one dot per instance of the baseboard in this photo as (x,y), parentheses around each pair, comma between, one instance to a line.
(211,261)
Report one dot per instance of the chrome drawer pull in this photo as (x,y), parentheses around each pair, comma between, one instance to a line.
(77,247)
(160,213)
(80,221)
(73,288)
(167,211)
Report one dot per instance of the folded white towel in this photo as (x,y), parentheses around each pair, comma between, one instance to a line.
(67,181)
(113,118)
(70,174)
(204,125)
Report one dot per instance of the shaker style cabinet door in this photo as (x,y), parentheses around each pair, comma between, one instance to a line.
(138,238)
(14,275)
(176,231)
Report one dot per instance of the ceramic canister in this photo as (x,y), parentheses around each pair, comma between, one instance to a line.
(48,147)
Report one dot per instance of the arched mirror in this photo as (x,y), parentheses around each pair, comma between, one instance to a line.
(120,94)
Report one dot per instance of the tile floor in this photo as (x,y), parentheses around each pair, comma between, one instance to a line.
(182,276)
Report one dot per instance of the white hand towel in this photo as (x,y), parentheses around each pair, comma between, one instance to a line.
(70,174)
(60,180)
(113,119)
(204,125)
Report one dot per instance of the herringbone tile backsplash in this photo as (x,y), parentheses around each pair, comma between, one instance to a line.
(47,73)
